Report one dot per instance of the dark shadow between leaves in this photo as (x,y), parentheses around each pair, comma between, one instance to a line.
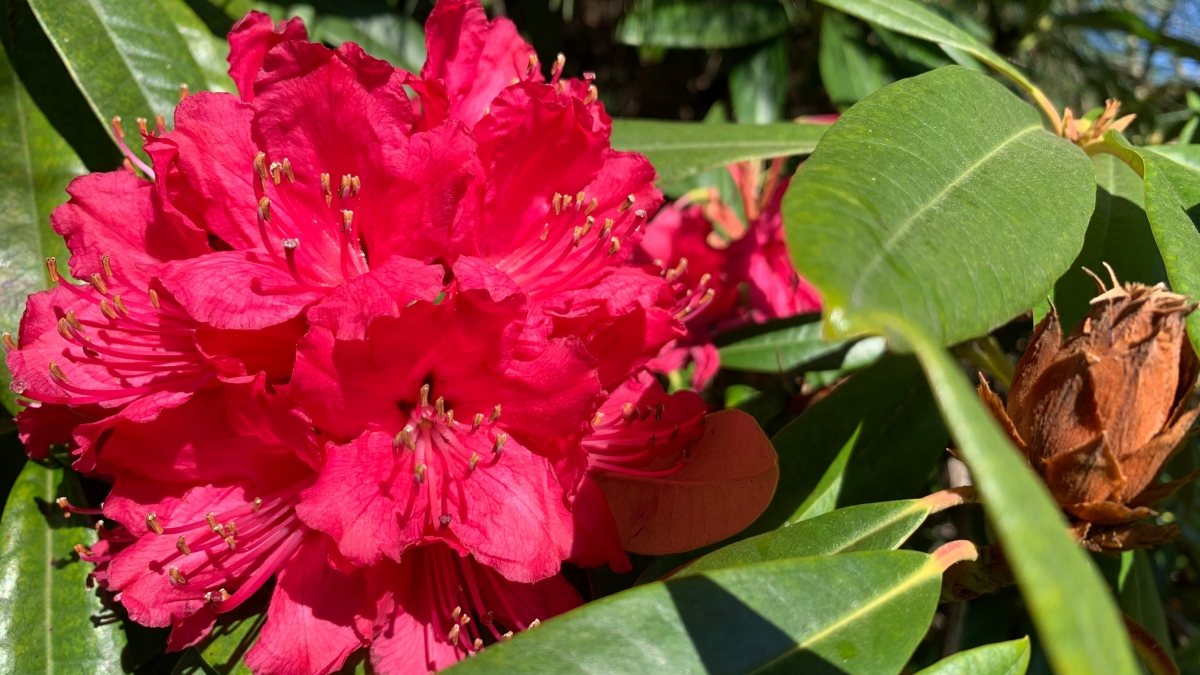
(731,638)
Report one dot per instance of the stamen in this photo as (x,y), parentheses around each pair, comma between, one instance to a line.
(264,209)
(98,284)
(160,123)
(450,417)
(120,304)
(579,197)
(152,523)
(592,95)
(276,172)
(344,191)
(626,205)
(257,504)
(11,345)
(74,321)
(474,425)
(355,186)
(419,471)
(440,406)
(658,411)
(423,396)
(52,270)
(107,310)
(347,220)
(614,246)
(181,544)
(327,189)
(499,446)
(57,372)
(532,65)
(495,414)
(445,520)
(83,551)
(141,123)
(557,202)
(287,169)
(557,68)
(106,265)
(154,299)
(177,576)
(63,330)
(183,92)
(260,165)
(473,461)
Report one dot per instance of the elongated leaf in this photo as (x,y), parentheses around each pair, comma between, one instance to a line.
(679,150)
(234,635)
(929,200)
(1172,183)
(709,24)
(758,84)
(127,59)
(794,343)
(856,614)
(850,70)
(728,480)
(1002,658)
(209,51)
(51,622)
(394,38)
(868,527)
(1075,615)
(1137,593)
(36,165)
(1128,22)
(911,18)
(1118,234)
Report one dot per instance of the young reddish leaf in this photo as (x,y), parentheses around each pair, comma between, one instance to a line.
(727,483)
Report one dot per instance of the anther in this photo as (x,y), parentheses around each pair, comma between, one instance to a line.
(579,197)
(64,331)
(450,417)
(347,220)
(327,189)
(153,524)
(514,81)
(290,244)
(120,304)
(276,173)
(264,209)
(106,265)
(177,576)
(154,299)
(566,202)
(557,68)
(545,232)
(592,95)
(557,202)
(211,518)
(141,122)
(102,531)
(52,270)
(107,309)
(658,411)
(73,320)
(626,205)
(464,619)
(592,205)
(454,631)
(440,406)
(257,504)
(344,190)
(83,551)
(628,412)
(478,644)
(406,437)
(576,235)
(597,419)
(533,64)
(473,461)
(506,636)
(677,271)
(474,425)
(639,214)
(98,283)
(11,345)
(260,165)
(160,123)
(287,170)
(231,542)
(64,505)
(57,372)
(183,92)
(445,519)
(181,544)
(423,396)
(455,613)
(534,624)
(355,186)
(587,224)
(608,226)
(419,472)
(117,129)
(495,414)
(499,446)
(614,246)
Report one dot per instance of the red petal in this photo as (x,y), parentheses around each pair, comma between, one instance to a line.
(250,40)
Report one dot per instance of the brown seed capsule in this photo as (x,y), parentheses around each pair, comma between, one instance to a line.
(1099,413)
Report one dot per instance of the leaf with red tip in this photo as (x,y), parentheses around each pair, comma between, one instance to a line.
(728,481)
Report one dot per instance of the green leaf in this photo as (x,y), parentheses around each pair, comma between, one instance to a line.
(679,150)
(758,84)
(209,51)
(234,635)
(913,19)
(856,614)
(1002,658)
(1137,593)
(36,165)
(1076,617)
(929,200)
(52,623)
(850,70)
(876,437)
(126,57)
(792,343)
(868,527)
(1118,234)
(191,663)
(703,24)
(394,38)
(1172,181)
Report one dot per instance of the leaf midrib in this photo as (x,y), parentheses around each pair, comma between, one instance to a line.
(902,231)
(919,575)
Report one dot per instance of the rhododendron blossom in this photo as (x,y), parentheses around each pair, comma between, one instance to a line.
(369,344)
(744,269)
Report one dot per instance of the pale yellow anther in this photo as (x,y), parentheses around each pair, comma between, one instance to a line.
(608,226)
(276,172)
(83,551)
(453,636)
(557,68)
(327,189)
(592,95)
(474,425)
(495,414)
(501,439)
(176,575)
(347,220)
(256,504)
(579,197)
(211,518)
(183,92)
(557,202)
(576,235)
(587,224)
(592,205)
(626,205)
(141,123)
(532,65)
(597,419)
(545,232)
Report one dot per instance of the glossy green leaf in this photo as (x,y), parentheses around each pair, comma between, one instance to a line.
(1172,182)
(126,57)
(850,70)
(210,52)
(679,150)
(1076,617)
(867,527)
(787,344)
(394,38)
(36,165)
(234,635)
(1137,593)
(51,623)
(1118,234)
(1002,658)
(929,200)
(855,614)
(191,663)
(911,18)
(709,24)
(758,84)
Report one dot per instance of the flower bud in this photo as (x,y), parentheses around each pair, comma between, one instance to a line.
(1099,413)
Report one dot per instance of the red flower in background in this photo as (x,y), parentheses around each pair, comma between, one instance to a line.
(737,274)
(390,351)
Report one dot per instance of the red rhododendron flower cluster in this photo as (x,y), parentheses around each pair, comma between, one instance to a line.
(372,344)
(744,268)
